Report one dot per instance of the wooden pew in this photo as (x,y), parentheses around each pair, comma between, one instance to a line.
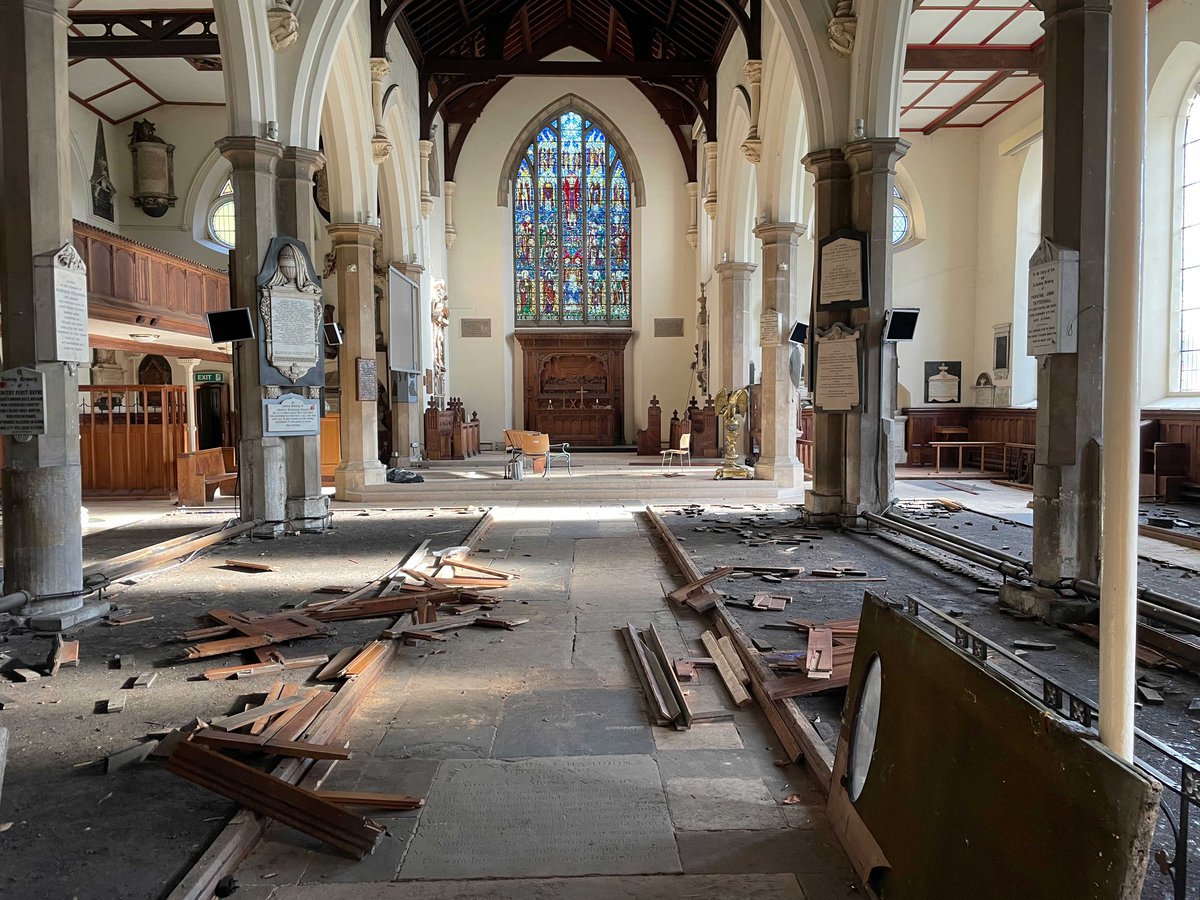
(649,439)
(201,473)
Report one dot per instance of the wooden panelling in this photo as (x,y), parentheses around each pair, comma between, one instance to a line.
(127,280)
(331,446)
(1180,427)
(129,438)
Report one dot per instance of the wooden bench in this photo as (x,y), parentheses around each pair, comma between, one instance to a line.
(201,473)
(981,446)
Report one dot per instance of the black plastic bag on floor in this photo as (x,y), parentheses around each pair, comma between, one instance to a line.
(403,476)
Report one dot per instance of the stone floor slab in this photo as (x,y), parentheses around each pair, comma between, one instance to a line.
(542,818)
(717,804)
(654,887)
(327,867)
(701,736)
(587,722)
(790,850)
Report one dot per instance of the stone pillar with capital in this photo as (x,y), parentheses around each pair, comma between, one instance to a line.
(425,149)
(449,189)
(734,306)
(693,231)
(853,463)
(43,535)
(306,503)
(778,462)
(381,147)
(710,178)
(1075,203)
(752,145)
(189,382)
(262,466)
(354,249)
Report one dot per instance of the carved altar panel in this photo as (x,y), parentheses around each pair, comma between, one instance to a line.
(574,385)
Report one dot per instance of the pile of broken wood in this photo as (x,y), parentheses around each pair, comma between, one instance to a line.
(413,593)
(302,729)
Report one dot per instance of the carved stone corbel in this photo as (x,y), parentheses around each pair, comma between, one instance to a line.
(283,25)
(843,27)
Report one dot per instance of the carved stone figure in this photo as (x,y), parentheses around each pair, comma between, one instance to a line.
(700,363)
(842,28)
(441,323)
(284,26)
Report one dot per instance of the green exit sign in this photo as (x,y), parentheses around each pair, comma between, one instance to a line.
(209,377)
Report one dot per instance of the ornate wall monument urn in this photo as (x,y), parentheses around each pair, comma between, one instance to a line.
(153,170)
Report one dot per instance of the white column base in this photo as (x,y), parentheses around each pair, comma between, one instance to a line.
(352,477)
(785,473)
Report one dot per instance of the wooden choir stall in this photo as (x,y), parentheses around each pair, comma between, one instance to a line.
(448,432)
(698,421)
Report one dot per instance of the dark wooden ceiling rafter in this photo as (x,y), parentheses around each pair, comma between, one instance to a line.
(148,35)
(670,51)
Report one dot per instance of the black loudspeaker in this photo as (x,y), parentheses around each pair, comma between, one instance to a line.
(900,325)
(799,333)
(228,326)
(333,334)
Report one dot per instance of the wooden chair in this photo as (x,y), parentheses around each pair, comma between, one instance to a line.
(538,446)
(684,452)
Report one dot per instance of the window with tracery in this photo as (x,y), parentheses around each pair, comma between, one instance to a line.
(571,228)
(901,218)
(1189,251)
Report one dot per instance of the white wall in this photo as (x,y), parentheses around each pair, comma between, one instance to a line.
(486,372)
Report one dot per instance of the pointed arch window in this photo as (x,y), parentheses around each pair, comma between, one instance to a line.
(1189,252)
(571,228)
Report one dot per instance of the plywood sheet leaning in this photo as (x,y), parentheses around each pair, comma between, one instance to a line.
(966,787)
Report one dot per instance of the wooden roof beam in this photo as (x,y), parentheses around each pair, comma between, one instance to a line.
(981,59)
(152,35)
(618,68)
(967,102)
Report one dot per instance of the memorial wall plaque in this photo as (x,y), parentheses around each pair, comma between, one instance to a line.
(838,382)
(943,382)
(842,270)
(291,313)
(768,328)
(22,402)
(1053,300)
(475,328)
(292,415)
(368,379)
(668,328)
(61,279)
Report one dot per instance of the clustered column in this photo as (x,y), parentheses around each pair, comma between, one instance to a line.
(735,322)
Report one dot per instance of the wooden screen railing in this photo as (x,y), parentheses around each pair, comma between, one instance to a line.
(129,436)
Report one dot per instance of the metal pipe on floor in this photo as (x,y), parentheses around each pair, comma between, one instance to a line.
(16,600)
(975,553)
(962,541)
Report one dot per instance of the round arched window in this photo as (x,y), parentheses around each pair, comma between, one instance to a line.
(221,220)
(901,218)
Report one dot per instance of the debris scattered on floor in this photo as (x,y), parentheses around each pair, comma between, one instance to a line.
(249,566)
(665,699)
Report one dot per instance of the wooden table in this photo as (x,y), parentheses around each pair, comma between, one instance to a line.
(950,432)
(961,445)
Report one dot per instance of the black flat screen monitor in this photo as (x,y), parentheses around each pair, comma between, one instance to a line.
(333,334)
(227,326)
(799,333)
(901,325)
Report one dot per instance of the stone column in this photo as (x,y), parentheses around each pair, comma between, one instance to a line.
(189,381)
(710,178)
(752,146)
(693,231)
(425,148)
(1075,203)
(735,323)
(853,469)
(262,468)
(305,502)
(354,246)
(778,462)
(448,190)
(381,147)
(43,549)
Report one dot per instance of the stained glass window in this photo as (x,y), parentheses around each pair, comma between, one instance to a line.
(1189,275)
(571,228)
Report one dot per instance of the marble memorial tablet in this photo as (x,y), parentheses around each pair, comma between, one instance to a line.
(665,328)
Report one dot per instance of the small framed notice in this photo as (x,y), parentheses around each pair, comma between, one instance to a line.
(842,270)
(475,328)
(292,415)
(838,369)
(22,402)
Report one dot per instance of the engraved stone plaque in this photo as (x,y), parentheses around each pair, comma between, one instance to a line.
(291,311)
(668,328)
(768,328)
(475,328)
(1053,300)
(63,331)
(368,380)
(291,414)
(22,402)
(841,269)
